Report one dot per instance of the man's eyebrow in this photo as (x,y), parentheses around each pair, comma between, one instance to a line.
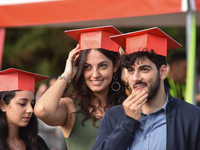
(130,67)
(145,66)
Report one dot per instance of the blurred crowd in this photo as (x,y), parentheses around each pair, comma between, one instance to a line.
(52,135)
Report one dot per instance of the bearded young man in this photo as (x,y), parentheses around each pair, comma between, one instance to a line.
(150,118)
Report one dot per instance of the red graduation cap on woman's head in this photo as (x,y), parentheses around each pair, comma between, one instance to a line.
(97,37)
(14,79)
(148,39)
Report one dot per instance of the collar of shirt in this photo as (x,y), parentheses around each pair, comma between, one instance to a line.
(164,106)
(148,134)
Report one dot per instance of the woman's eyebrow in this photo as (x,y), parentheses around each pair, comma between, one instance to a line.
(103,62)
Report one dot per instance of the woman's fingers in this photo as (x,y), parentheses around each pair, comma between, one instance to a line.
(74,53)
(121,51)
(70,68)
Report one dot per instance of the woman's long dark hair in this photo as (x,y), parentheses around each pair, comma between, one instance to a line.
(85,95)
(28,134)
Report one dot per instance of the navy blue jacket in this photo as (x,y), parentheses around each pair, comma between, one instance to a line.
(116,130)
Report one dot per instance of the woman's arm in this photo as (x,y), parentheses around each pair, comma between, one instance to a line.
(51,108)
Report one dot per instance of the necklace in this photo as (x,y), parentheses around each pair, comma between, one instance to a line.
(14,144)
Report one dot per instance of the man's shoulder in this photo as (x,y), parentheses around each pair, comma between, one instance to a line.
(115,111)
(189,106)
(183,114)
(184,106)
(116,108)
(113,116)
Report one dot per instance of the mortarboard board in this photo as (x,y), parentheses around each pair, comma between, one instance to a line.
(96,37)
(15,79)
(152,38)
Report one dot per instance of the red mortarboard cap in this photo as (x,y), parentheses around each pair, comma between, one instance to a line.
(15,79)
(97,37)
(152,38)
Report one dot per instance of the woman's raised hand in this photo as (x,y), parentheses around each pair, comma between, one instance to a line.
(70,67)
(121,51)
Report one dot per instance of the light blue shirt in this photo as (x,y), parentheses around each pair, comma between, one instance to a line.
(151,134)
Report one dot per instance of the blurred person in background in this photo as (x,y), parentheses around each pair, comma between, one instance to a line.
(51,134)
(176,78)
(197,96)
(41,89)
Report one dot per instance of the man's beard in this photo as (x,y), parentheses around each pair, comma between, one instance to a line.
(153,88)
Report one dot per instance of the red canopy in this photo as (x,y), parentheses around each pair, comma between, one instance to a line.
(15,13)
(197,5)
(66,11)
(2,37)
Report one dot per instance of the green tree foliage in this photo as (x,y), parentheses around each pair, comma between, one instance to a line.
(41,50)
(45,50)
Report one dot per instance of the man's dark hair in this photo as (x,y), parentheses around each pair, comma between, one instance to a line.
(128,60)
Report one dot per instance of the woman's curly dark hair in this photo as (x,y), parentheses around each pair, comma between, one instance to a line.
(84,96)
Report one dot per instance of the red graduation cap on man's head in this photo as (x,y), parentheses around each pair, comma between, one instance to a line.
(14,79)
(148,39)
(97,37)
